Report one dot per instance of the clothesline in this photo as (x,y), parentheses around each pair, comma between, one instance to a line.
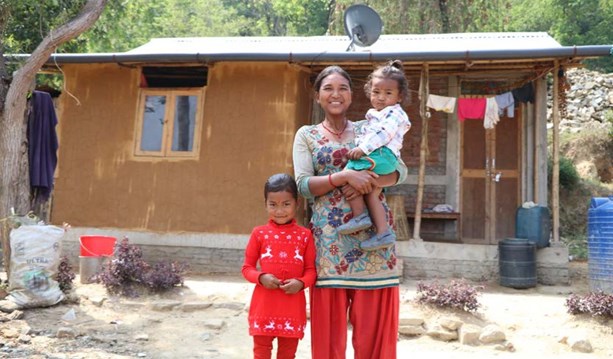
(488,108)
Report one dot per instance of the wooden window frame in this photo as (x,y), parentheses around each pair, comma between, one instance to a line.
(166,146)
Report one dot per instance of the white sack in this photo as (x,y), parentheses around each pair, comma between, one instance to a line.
(35,257)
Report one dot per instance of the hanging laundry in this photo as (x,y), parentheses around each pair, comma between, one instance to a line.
(42,144)
(524,94)
(491,113)
(441,103)
(506,103)
(471,108)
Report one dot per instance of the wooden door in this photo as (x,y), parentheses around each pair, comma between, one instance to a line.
(490,181)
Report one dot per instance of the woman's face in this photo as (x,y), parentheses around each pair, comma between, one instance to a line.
(334,95)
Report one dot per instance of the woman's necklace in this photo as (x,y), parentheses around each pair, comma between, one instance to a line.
(337,134)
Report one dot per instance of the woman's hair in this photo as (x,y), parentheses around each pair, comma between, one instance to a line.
(393,71)
(327,72)
(280,182)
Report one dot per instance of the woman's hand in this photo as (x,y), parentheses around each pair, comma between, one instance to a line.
(292,286)
(361,181)
(270,281)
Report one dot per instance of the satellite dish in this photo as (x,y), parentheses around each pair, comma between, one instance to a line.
(363,25)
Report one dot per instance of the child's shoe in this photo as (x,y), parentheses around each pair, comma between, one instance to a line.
(355,224)
(375,242)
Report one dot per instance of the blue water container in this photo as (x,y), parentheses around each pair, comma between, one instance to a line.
(600,244)
(534,224)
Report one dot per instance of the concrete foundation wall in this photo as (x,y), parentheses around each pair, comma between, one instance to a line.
(224,253)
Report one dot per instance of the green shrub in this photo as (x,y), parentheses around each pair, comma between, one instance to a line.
(577,246)
(569,177)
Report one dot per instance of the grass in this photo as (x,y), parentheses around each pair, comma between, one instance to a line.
(575,197)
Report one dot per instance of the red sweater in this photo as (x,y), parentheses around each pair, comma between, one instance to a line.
(287,251)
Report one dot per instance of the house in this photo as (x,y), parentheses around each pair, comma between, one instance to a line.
(169,144)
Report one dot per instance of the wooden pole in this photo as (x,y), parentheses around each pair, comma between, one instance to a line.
(555,152)
(423,152)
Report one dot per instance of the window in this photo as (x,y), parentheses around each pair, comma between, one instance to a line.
(170,113)
(169,122)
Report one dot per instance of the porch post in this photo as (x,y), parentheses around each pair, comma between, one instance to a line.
(424,88)
(555,180)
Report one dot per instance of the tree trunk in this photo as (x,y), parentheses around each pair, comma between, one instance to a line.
(14,185)
(442,5)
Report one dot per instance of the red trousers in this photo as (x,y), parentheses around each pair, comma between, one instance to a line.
(262,347)
(373,315)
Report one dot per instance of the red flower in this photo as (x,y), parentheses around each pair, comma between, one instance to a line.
(341,267)
(334,249)
(339,157)
(391,263)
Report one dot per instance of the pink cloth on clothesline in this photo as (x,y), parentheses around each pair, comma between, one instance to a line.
(471,108)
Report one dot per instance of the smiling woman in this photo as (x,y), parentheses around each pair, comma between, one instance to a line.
(349,280)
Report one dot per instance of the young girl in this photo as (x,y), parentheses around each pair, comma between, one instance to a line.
(286,253)
(378,149)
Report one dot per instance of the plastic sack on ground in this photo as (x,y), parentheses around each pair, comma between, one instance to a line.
(35,256)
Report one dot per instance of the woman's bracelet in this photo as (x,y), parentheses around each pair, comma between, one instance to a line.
(330,180)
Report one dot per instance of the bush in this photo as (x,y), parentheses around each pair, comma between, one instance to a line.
(127,272)
(65,275)
(577,246)
(594,303)
(165,275)
(569,177)
(457,294)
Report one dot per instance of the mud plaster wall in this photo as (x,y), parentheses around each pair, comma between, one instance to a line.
(251,113)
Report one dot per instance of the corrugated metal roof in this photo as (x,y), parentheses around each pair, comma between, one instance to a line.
(335,44)
(444,48)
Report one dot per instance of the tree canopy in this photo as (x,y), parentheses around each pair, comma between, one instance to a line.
(126,24)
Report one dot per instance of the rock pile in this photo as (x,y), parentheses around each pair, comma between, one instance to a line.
(589,101)
(450,328)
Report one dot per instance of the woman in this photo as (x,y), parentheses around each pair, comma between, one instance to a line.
(363,285)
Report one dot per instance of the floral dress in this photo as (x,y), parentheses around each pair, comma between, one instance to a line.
(340,262)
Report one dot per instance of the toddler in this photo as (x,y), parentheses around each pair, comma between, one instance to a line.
(378,149)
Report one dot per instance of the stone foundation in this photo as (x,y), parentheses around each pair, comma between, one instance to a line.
(224,253)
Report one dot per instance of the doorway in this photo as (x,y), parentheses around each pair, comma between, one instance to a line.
(490,179)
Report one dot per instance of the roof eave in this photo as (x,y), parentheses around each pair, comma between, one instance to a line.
(573,52)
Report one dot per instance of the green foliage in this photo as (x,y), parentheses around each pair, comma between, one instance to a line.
(27,22)
(577,246)
(570,22)
(281,17)
(569,177)
(427,17)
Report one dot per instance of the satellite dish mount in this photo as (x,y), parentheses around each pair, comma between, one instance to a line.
(363,26)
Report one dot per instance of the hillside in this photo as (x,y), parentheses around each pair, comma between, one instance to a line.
(586,150)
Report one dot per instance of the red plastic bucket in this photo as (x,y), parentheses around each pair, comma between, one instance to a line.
(95,246)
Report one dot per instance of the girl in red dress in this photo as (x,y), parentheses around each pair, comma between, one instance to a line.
(286,255)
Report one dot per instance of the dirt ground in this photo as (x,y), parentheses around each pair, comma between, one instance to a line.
(207,319)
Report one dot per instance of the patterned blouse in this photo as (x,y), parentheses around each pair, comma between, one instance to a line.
(340,262)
